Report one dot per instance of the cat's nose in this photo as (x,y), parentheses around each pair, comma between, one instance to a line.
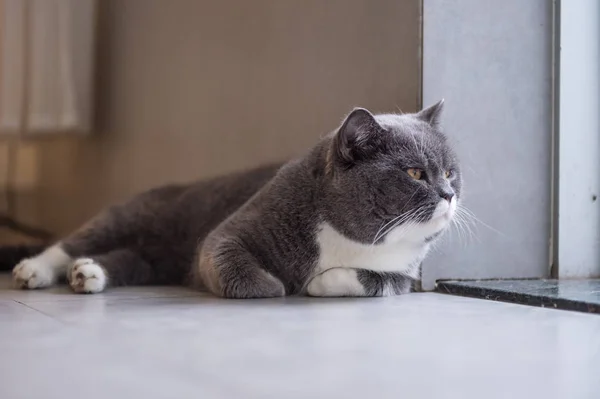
(447,195)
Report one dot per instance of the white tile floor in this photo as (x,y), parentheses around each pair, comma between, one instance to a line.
(175,343)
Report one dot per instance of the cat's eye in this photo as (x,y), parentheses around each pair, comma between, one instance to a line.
(415,173)
(449,173)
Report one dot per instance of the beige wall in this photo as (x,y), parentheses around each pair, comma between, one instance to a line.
(190,88)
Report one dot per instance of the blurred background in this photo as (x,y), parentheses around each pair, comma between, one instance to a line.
(185,89)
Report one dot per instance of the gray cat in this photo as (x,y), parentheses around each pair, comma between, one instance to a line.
(353,217)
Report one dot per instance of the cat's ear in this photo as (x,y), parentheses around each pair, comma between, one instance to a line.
(355,138)
(433,114)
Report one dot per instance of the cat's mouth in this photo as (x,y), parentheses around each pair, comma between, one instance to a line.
(445,217)
(444,211)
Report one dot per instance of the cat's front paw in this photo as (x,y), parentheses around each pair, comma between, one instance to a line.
(336,282)
(86,276)
(33,273)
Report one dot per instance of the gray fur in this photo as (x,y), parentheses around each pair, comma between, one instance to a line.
(252,234)
(377,283)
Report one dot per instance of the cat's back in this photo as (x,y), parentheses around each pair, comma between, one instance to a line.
(205,203)
(190,211)
(206,192)
(232,187)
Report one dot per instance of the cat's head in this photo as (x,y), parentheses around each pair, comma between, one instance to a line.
(391,177)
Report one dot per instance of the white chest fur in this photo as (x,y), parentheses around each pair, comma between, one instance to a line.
(395,255)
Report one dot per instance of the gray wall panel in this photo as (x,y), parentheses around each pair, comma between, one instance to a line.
(491,60)
(578,249)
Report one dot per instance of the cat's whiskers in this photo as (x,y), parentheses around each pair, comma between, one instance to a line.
(412,136)
(384,225)
(396,221)
(411,219)
(462,227)
(468,222)
(422,135)
(375,239)
(407,217)
(419,148)
(465,222)
(468,213)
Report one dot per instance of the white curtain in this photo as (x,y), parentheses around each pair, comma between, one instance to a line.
(46,66)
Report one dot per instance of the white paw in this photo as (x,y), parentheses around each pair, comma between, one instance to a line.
(335,283)
(33,273)
(86,276)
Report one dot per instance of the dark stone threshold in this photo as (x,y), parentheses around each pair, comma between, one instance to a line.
(577,295)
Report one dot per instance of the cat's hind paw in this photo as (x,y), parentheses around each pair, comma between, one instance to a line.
(86,276)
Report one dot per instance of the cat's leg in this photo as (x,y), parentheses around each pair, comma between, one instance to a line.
(228,270)
(93,274)
(343,282)
(42,270)
(103,233)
